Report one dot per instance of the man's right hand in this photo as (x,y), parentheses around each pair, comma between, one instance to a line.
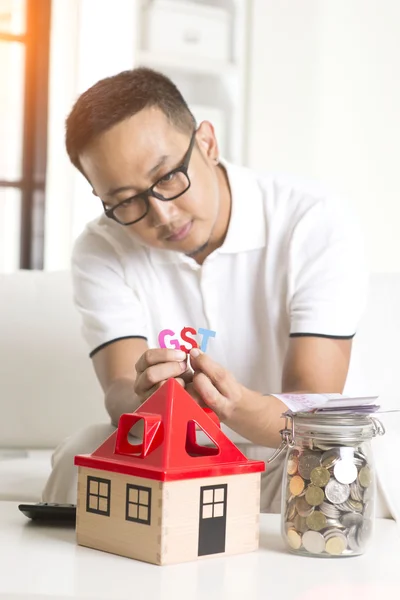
(155,366)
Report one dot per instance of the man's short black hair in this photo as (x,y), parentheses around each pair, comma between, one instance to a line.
(113,99)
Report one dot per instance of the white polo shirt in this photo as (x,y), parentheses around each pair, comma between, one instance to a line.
(292,264)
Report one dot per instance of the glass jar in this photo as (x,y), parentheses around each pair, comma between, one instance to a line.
(329,483)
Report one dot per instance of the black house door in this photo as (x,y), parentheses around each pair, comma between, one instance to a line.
(212,522)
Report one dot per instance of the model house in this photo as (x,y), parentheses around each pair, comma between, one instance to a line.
(166,498)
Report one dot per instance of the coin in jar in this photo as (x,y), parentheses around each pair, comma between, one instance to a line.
(364,477)
(335,545)
(313,542)
(337,492)
(351,518)
(292,464)
(329,510)
(354,505)
(307,462)
(294,539)
(333,531)
(303,508)
(300,524)
(316,521)
(321,446)
(296,485)
(335,523)
(352,539)
(314,495)
(290,510)
(345,471)
(329,458)
(320,476)
(356,491)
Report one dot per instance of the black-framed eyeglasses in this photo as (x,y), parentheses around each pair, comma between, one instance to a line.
(172,185)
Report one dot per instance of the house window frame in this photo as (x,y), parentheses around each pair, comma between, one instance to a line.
(214,502)
(89,494)
(138,488)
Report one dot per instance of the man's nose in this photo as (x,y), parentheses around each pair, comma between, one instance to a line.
(162,212)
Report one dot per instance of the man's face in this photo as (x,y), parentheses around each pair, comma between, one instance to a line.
(139,151)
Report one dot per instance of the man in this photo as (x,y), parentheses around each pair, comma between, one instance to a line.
(187,239)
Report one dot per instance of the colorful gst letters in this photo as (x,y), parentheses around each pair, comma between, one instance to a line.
(174,343)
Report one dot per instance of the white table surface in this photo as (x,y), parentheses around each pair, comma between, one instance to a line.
(43,562)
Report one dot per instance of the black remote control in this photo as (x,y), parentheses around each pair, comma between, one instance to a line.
(49,512)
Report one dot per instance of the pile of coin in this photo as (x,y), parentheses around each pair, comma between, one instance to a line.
(328,502)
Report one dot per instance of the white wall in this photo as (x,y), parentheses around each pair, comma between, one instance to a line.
(89,40)
(324,102)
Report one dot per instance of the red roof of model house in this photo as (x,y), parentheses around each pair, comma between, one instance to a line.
(169,451)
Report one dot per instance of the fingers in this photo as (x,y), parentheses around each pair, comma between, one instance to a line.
(155,356)
(187,376)
(206,392)
(151,378)
(190,388)
(215,385)
(157,365)
(180,381)
(219,377)
(143,394)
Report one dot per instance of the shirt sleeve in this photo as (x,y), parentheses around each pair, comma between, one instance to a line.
(327,277)
(110,309)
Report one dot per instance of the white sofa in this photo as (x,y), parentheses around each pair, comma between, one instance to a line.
(48,389)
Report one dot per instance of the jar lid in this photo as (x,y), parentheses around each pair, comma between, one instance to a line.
(333,427)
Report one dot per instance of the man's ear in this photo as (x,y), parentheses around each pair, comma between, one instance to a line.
(207,141)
